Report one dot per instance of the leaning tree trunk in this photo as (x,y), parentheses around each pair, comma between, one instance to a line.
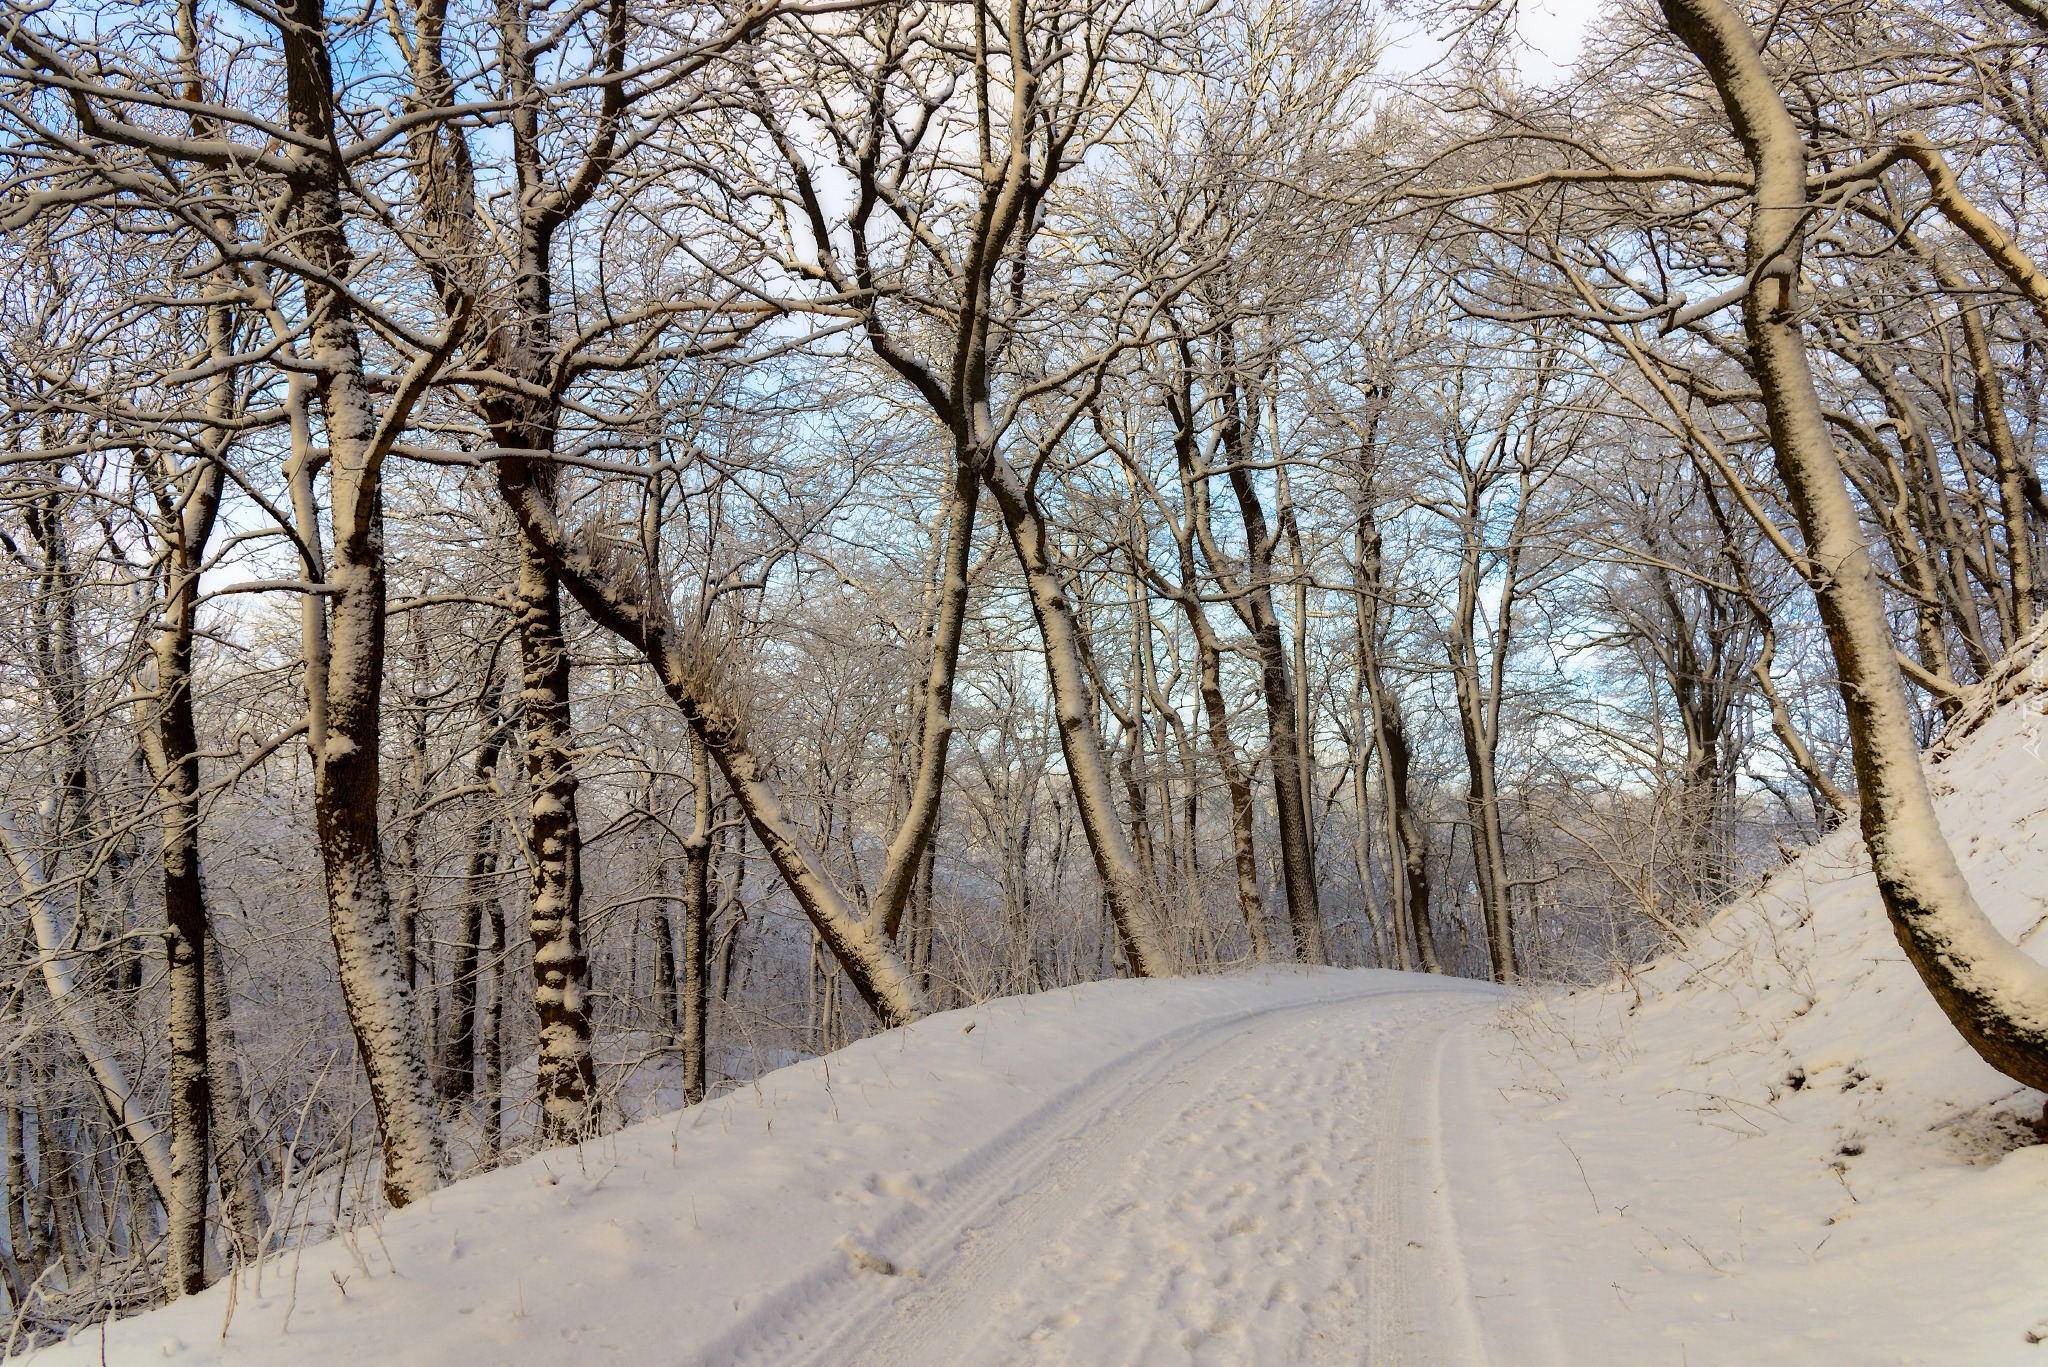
(1994,994)
(1132,908)
(74,1007)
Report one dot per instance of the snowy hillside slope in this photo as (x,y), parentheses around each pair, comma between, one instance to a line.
(1772,1147)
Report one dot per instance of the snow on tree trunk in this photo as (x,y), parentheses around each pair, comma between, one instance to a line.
(1132,907)
(692,673)
(1994,994)
(74,1009)
(567,1079)
(174,752)
(696,927)
(345,666)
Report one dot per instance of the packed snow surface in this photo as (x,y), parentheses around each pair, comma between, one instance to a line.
(1228,1170)
(1767,1148)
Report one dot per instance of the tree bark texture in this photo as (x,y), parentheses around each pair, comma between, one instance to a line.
(567,1079)
(345,671)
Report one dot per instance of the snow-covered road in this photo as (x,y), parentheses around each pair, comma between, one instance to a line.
(1268,1190)
(1271,1167)
(1245,1169)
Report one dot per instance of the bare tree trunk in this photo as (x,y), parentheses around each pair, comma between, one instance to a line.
(1407,835)
(697,927)
(494,1032)
(24,1231)
(1284,740)
(185,952)
(921,812)
(172,743)
(667,1007)
(1478,686)
(188,501)
(686,664)
(57,1134)
(455,1078)
(919,951)
(414,794)
(566,1079)
(345,656)
(1132,908)
(235,1160)
(2010,469)
(1994,994)
(1237,776)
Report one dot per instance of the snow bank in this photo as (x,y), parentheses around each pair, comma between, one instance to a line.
(682,1237)
(1773,1146)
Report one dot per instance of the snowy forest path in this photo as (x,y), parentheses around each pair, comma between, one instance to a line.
(1267,1190)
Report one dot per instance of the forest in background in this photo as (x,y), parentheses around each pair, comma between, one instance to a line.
(548,545)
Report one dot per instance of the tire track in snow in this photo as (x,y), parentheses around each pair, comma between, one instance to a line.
(812,1318)
(1422,1308)
(1247,1193)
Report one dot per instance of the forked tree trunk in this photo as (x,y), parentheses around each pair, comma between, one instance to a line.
(188,501)
(1237,776)
(345,656)
(1478,686)
(1995,994)
(1277,684)
(2010,469)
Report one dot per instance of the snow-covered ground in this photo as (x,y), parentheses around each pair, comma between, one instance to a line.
(1788,1154)
(1770,1148)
